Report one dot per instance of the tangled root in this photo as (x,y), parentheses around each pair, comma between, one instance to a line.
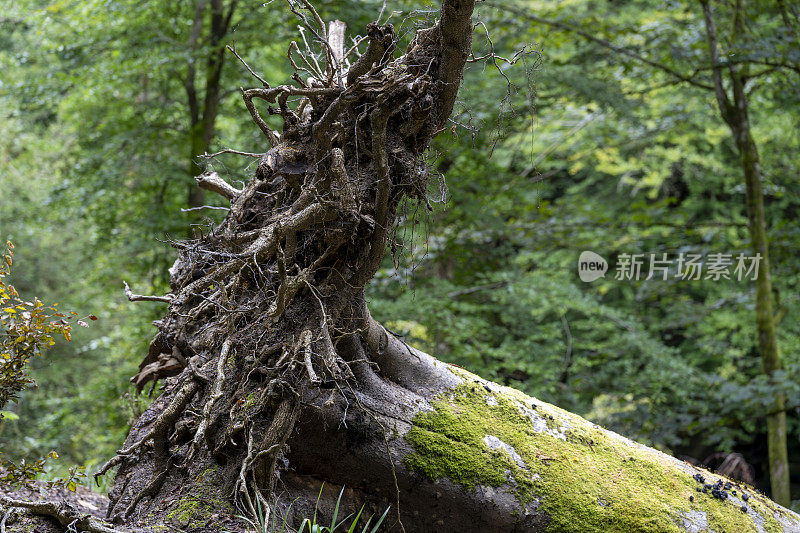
(259,306)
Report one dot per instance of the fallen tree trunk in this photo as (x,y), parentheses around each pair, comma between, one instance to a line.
(277,379)
(470,455)
(481,457)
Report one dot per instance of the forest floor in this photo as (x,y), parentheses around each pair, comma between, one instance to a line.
(84,499)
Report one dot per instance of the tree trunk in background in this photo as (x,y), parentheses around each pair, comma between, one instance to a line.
(202,119)
(765,320)
(198,146)
(735,112)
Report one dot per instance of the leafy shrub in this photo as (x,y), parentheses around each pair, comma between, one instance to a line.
(26,330)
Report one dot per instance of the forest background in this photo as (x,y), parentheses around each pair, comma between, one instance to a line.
(596,139)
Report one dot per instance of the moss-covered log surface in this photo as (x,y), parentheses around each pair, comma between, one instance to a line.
(576,475)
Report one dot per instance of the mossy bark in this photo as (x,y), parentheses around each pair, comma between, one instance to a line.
(765,319)
(572,474)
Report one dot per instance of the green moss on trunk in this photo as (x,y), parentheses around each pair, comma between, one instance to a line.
(198,510)
(583,477)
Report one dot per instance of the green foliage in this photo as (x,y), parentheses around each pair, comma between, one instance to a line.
(615,156)
(24,474)
(311,525)
(26,330)
(593,150)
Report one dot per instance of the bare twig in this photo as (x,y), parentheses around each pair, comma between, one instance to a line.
(572,28)
(272,137)
(232,49)
(231,151)
(201,207)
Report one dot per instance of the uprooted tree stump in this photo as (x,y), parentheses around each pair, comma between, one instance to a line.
(277,379)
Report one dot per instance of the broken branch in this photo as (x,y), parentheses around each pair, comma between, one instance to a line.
(213,182)
(145,298)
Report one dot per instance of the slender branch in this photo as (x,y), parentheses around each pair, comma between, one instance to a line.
(356,44)
(232,49)
(231,151)
(311,69)
(316,16)
(725,106)
(321,75)
(572,28)
(272,137)
(329,66)
(201,207)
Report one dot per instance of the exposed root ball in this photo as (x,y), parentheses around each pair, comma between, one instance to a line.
(261,305)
